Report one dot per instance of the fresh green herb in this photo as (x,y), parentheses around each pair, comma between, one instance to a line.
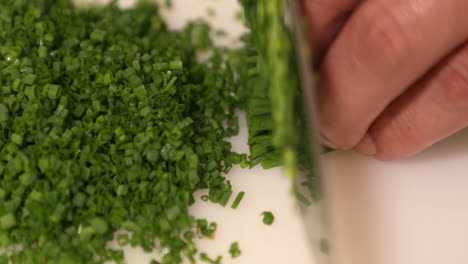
(268,218)
(123,240)
(234,250)
(238,200)
(7,221)
(206,229)
(271,118)
(109,122)
(204,257)
(210,12)
(277,127)
(239,16)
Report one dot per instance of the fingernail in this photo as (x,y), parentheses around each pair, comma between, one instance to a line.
(366,146)
(327,142)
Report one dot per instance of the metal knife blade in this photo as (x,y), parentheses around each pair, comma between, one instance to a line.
(314,213)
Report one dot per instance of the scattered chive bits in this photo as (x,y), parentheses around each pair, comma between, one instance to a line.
(268,218)
(108,122)
(238,200)
(234,250)
(204,257)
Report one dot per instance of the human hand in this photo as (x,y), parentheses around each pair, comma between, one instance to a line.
(393,73)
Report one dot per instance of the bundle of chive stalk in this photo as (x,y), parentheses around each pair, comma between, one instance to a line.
(278,132)
(109,122)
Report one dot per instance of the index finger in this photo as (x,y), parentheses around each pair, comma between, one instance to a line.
(384,48)
(325,19)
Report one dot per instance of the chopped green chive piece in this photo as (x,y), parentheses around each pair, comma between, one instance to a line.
(224,199)
(29,79)
(98,35)
(99,225)
(204,257)
(4,113)
(210,12)
(123,240)
(2,194)
(234,250)
(7,221)
(176,65)
(268,218)
(52,91)
(17,139)
(238,200)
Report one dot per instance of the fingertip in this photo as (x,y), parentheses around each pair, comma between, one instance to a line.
(326,142)
(340,141)
(366,146)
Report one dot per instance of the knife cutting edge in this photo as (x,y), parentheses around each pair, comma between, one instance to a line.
(309,184)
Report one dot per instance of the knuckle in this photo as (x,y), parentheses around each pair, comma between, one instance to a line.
(455,83)
(382,36)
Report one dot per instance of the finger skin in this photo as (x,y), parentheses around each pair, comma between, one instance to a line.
(431,110)
(383,49)
(325,19)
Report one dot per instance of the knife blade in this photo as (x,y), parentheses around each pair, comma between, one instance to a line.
(309,184)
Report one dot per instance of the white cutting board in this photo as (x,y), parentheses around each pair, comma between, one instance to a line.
(407,212)
(413,211)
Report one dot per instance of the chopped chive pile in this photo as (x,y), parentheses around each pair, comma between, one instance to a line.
(268,218)
(109,122)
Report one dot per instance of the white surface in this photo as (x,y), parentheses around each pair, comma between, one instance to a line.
(408,212)
(412,211)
